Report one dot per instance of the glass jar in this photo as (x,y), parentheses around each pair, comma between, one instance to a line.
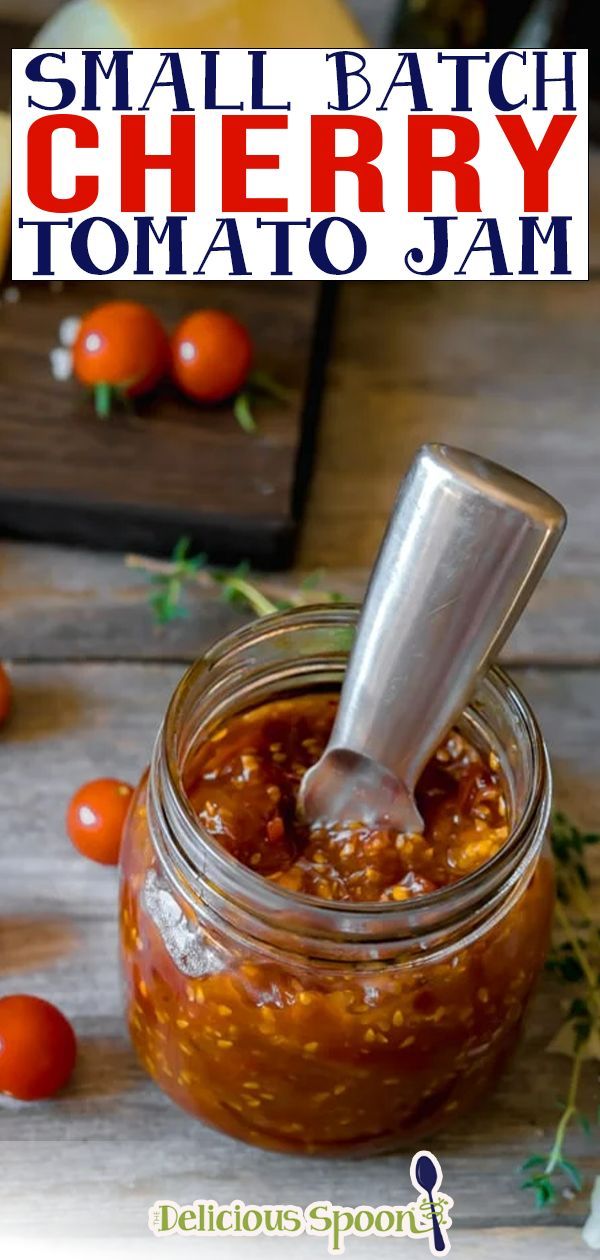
(312,1026)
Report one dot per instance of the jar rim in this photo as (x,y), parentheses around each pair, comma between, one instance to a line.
(204,857)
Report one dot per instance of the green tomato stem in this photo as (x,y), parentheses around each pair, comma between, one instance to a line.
(242,410)
(264,383)
(103,399)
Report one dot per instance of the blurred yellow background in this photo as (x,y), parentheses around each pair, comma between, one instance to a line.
(375,15)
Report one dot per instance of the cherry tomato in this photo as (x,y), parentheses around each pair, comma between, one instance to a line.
(211,356)
(95,819)
(5,695)
(37,1048)
(121,348)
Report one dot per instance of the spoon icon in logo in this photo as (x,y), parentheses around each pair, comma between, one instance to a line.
(426,1174)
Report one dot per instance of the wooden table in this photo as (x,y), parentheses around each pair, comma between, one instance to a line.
(512,370)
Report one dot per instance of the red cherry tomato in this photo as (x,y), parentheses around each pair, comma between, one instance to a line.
(211,356)
(121,348)
(37,1048)
(5,695)
(95,819)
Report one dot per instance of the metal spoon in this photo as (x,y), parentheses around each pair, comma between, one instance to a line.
(465,547)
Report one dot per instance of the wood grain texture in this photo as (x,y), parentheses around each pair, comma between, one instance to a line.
(493,1244)
(58,603)
(142,479)
(510,370)
(96,1159)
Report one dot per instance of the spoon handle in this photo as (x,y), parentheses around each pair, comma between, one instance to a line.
(439,1241)
(466,544)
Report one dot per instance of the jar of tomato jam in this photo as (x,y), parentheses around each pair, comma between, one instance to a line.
(335,989)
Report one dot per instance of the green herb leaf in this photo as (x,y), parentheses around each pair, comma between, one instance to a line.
(170,579)
(574,960)
(572,1172)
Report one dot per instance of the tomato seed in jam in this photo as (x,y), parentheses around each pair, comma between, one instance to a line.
(244,788)
(294,1041)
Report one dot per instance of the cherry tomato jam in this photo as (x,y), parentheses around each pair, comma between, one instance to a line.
(244,789)
(328,989)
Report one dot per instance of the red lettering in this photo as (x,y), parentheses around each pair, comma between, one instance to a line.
(39,162)
(181,162)
(536,163)
(237,162)
(326,163)
(422,163)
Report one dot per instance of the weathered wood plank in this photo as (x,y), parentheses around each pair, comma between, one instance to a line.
(143,481)
(98,1157)
(493,1244)
(63,603)
(512,373)
(510,370)
(126,1124)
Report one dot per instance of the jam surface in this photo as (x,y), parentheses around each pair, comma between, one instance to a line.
(244,787)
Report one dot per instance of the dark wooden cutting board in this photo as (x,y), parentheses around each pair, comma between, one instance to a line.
(140,481)
(173,468)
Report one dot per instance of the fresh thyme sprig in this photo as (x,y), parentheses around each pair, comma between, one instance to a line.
(170,579)
(166,597)
(575,959)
